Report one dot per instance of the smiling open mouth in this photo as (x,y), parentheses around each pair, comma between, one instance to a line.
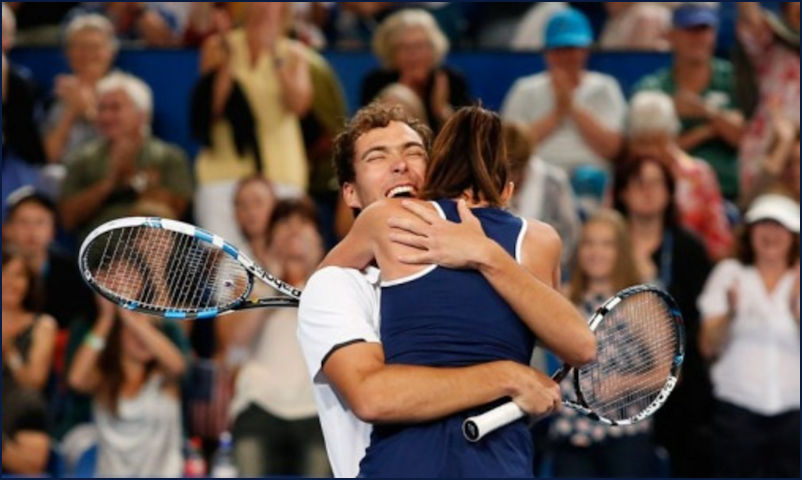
(401,191)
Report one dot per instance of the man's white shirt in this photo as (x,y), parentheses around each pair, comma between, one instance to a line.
(339,306)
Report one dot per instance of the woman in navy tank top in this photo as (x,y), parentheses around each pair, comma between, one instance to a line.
(442,317)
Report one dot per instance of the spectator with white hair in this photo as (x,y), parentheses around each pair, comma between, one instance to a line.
(107,176)
(90,46)
(652,131)
(411,48)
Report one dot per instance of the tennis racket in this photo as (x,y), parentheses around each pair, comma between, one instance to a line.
(640,345)
(173,269)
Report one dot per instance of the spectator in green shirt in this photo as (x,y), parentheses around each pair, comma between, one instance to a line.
(108,176)
(703,88)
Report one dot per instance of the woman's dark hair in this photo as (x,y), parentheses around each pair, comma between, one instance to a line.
(746,253)
(469,153)
(33,300)
(110,364)
(255,178)
(31,196)
(284,209)
(628,168)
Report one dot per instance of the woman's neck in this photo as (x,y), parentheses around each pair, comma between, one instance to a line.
(133,371)
(599,286)
(771,266)
(37,261)
(771,271)
(646,228)
(258,246)
(296,271)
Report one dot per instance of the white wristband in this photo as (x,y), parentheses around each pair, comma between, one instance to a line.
(94,342)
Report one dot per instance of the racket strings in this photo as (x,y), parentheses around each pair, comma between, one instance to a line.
(164,270)
(636,345)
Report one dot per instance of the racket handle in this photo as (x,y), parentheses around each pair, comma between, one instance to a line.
(476,427)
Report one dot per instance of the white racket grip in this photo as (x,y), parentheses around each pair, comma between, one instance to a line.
(476,427)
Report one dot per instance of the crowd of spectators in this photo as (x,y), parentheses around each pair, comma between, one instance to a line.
(692,184)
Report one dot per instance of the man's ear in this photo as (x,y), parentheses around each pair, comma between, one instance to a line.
(351,196)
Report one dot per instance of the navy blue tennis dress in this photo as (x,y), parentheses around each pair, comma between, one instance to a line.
(452,318)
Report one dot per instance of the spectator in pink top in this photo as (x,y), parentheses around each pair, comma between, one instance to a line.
(772,46)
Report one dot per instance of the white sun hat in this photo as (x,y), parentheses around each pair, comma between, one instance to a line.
(772,206)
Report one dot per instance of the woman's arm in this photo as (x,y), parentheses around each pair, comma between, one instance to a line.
(166,353)
(26,453)
(295,80)
(35,371)
(84,375)
(55,140)
(535,297)
(358,248)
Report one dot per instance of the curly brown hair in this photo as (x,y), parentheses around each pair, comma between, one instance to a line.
(375,115)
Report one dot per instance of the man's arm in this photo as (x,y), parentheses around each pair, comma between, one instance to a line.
(377,392)
(341,347)
(464,245)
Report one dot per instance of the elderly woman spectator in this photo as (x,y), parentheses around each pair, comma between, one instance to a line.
(574,115)
(771,43)
(90,48)
(411,48)
(750,333)
(668,255)
(152,24)
(246,110)
(652,131)
(107,176)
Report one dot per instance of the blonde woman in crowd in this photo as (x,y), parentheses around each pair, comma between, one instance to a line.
(411,48)
(603,265)
(246,107)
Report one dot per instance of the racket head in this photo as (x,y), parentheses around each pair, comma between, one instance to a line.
(165,268)
(640,339)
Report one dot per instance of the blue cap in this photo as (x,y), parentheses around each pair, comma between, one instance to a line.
(689,15)
(568,28)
